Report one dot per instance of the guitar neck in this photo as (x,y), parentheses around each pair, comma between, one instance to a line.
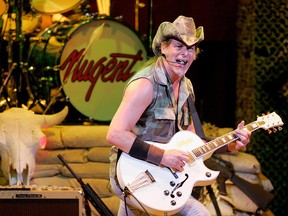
(223,140)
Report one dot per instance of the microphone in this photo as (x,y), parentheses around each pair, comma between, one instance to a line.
(177,61)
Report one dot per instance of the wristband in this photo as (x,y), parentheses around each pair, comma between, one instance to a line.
(146,152)
(155,155)
(139,149)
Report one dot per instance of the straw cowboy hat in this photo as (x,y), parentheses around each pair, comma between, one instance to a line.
(183,29)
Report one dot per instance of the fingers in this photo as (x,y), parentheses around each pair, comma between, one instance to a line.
(179,163)
(175,159)
(181,166)
(241,125)
(243,135)
(239,145)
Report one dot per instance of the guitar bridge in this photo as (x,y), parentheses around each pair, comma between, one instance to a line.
(142,180)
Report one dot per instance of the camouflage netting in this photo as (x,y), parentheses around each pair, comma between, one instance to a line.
(262,85)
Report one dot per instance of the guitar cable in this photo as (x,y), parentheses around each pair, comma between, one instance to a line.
(126,192)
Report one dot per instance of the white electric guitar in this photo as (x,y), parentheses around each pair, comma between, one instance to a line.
(162,191)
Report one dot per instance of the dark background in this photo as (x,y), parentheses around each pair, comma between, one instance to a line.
(214,73)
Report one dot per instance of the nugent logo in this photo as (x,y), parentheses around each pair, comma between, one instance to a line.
(117,68)
(96,63)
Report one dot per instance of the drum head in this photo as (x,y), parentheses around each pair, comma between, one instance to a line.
(54,6)
(96,64)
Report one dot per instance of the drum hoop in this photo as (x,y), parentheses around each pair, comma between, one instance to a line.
(86,22)
(33,46)
(126,24)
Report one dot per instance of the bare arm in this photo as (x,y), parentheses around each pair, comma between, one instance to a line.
(137,98)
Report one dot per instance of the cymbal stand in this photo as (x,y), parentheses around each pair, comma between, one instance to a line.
(19,60)
(17,74)
(151,24)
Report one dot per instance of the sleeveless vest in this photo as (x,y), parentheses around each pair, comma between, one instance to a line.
(158,122)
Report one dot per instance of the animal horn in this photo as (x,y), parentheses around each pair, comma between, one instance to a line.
(54,119)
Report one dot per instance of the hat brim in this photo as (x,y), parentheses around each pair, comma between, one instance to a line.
(168,30)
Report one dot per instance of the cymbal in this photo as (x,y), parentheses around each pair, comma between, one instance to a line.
(54,6)
(3,7)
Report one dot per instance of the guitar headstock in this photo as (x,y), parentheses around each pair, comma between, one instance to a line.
(271,120)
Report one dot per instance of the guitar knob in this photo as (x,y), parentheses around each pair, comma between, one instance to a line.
(172,183)
(179,193)
(208,174)
(166,192)
(173,202)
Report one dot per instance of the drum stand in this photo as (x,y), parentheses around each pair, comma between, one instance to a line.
(16,84)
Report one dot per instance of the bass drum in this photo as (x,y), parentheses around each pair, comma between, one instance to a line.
(91,59)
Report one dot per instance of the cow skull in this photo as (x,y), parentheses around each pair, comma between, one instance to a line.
(20,138)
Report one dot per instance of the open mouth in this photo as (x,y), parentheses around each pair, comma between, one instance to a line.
(181,62)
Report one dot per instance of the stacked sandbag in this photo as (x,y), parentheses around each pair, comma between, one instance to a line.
(245,166)
(86,150)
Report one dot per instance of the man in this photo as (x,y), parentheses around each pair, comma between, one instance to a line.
(155,106)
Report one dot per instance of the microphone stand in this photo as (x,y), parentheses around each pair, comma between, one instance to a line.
(89,193)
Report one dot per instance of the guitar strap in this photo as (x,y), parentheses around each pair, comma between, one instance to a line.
(196,120)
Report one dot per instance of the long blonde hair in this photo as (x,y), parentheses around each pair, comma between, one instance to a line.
(166,42)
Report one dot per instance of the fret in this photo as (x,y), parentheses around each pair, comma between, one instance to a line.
(251,127)
(207,148)
(203,149)
(210,144)
(254,125)
(196,152)
(230,136)
(214,143)
(220,142)
(246,128)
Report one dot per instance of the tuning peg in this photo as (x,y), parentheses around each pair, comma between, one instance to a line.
(280,128)
(275,130)
(269,131)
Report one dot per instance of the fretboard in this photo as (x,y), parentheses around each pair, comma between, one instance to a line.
(223,140)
